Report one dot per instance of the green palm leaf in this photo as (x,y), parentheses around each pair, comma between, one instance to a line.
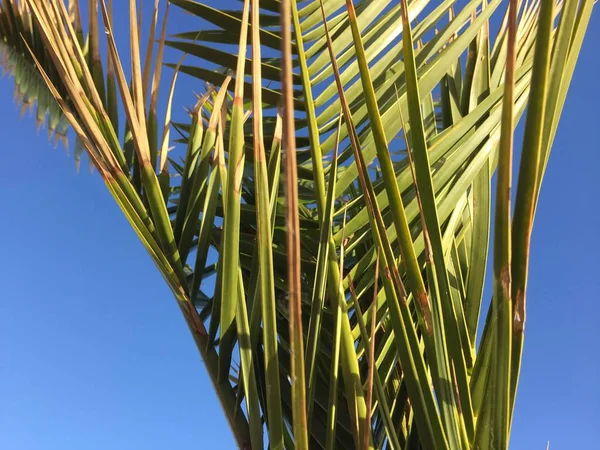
(341,171)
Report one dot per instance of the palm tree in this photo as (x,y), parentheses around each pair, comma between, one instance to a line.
(342,171)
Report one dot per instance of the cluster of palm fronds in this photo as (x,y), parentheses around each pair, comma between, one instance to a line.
(345,187)
(16,30)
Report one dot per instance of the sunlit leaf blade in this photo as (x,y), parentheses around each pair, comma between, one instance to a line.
(368,242)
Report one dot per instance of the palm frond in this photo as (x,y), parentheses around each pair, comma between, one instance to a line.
(392,118)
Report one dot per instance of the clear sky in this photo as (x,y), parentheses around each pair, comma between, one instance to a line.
(94,353)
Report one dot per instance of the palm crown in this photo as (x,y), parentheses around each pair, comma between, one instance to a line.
(339,162)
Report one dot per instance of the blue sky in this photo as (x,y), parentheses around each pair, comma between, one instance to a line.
(94,353)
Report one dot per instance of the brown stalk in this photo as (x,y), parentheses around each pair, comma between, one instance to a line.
(293,233)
